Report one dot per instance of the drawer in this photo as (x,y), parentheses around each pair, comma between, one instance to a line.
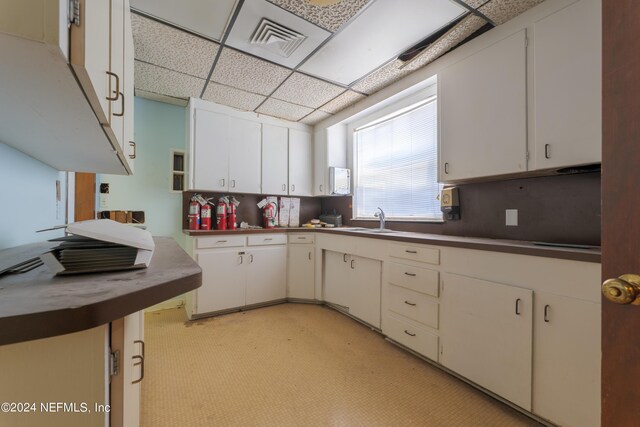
(415,253)
(415,278)
(223,241)
(414,305)
(267,239)
(301,238)
(411,336)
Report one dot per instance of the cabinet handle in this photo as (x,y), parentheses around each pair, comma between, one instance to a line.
(344,257)
(221,241)
(352,261)
(518,306)
(250,258)
(266,240)
(141,364)
(122,105)
(410,274)
(141,344)
(546,151)
(309,256)
(409,333)
(411,252)
(446,168)
(117,91)
(301,238)
(222,182)
(546,313)
(284,187)
(233,183)
(410,303)
(133,144)
(241,259)
(320,187)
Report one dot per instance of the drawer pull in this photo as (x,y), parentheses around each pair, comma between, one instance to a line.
(411,252)
(410,274)
(410,303)
(301,238)
(221,241)
(266,240)
(409,333)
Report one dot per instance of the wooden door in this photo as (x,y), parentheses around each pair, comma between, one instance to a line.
(266,274)
(486,335)
(301,271)
(620,208)
(85,196)
(223,280)
(245,156)
(275,169)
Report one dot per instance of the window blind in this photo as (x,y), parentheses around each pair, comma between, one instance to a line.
(396,166)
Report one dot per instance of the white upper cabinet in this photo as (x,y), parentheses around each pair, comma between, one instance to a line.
(483,115)
(329,149)
(128,140)
(245,155)
(209,153)
(300,163)
(275,160)
(567,89)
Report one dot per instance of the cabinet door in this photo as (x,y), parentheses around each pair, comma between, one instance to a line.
(301,268)
(483,117)
(133,366)
(245,156)
(129,139)
(486,335)
(210,152)
(275,159)
(566,360)
(266,274)
(117,107)
(568,86)
(320,168)
(336,278)
(300,163)
(365,288)
(223,281)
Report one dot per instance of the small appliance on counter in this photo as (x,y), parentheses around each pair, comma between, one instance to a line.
(339,181)
(334,219)
(450,203)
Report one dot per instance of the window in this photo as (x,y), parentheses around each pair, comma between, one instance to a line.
(396,165)
(177,170)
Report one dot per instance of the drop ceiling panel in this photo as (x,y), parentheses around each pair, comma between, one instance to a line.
(168,47)
(206,17)
(161,98)
(500,11)
(283,110)
(308,91)
(151,78)
(315,117)
(329,17)
(379,33)
(248,73)
(232,97)
(342,101)
(251,16)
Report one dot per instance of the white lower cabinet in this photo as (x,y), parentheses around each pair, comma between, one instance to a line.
(132,368)
(301,271)
(223,280)
(412,335)
(486,335)
(353,282)
(266,274)
(566,341)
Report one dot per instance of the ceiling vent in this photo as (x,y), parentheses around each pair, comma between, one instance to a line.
(277,38)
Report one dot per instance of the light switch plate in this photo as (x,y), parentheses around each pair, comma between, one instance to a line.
(511,217)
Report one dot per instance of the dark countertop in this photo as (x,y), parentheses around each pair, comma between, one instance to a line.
(37,304)
(591,254)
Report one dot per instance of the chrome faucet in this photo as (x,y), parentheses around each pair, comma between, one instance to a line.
(381,216)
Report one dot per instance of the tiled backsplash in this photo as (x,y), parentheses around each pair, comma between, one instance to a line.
(558,209)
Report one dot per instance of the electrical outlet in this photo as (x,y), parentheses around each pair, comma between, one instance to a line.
(511,217)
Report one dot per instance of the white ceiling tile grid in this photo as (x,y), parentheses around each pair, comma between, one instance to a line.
(330,17)
(383,77)
(161,98)
(308,91)
(500,11)
(206,17)
(315,117)
(171,48)
(342,101)
(232,97)
(283,110)
(245,72)
(448,41)
(151,78)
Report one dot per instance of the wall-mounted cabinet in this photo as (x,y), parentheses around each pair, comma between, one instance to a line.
(329,149)
(300,163)
(39,42)
(275,160)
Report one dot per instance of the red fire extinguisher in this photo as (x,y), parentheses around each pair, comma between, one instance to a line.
(231,221)
(269,213)
(205,217)
(194,215)
(221,214)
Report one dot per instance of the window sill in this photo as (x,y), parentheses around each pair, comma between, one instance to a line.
(426,221)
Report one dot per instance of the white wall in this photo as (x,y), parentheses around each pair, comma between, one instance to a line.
(28,199)
(158,127)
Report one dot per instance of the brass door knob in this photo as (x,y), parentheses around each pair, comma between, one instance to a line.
(623,290)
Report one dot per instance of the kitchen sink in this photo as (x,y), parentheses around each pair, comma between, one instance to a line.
(372,230)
